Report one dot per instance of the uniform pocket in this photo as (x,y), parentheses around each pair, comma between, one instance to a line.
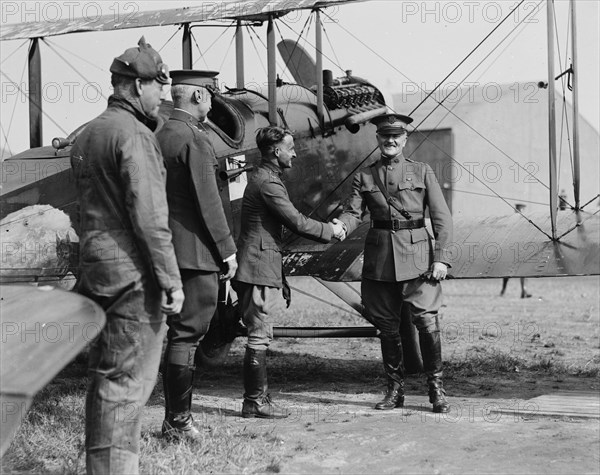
(418,235)
(268,245)
(369,188)
(414,184)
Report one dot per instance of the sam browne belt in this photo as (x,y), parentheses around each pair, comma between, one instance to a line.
(396,224)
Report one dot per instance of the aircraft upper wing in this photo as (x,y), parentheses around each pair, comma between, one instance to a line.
(491,247)
(256,10)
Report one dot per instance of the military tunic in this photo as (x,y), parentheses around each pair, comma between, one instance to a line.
(266,209)
(201,235)
(407,253)
(395,260)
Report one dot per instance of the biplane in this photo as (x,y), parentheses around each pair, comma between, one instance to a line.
(330,117)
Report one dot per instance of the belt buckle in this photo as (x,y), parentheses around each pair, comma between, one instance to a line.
(395,225)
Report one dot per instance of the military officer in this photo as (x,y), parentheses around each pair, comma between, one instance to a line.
(203,242)
(266,208)
(401,264)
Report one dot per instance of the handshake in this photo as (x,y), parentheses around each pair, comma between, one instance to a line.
(339,229)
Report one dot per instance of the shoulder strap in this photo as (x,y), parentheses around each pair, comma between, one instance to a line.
(390,199)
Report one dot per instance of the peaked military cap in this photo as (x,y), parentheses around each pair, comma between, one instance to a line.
(391,123)
(142,62)
(193,77)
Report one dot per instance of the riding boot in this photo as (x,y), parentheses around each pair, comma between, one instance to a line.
(391,352)
(431,349)
(257,401)
(179,422)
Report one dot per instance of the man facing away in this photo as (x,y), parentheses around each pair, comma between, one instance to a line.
(266,208)
(201,237)
(127,261)
(401,266)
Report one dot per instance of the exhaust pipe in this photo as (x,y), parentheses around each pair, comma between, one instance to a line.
(226,175)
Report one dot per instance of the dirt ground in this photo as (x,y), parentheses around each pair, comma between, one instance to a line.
(499,352)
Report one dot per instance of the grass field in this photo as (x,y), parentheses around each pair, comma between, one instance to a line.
(492,346)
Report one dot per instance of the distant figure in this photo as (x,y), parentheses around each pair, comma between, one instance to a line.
(524,293)
(519,207)
(562,200)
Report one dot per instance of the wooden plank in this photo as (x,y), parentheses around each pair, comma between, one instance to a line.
(578,404)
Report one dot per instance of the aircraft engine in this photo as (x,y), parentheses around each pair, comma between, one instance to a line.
(350,92)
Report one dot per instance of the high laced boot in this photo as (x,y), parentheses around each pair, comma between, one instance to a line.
(431,349)
(179,423)
(391,352)
(257,401)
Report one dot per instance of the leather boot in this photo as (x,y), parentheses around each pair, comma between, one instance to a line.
(257,401)
(391,352)
(431,349)
(179,423)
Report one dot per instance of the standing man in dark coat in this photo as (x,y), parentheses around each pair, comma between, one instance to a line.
(266,208)
(201,236)
(401,265)
(127,261)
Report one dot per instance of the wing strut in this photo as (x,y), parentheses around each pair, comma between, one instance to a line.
(239,56)
(271,72)
(552,118)
(319,58)
(576,166)
(186,47)
(35,94)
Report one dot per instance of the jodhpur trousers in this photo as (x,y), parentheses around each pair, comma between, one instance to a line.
(256,302)
(383,302)
(186,329)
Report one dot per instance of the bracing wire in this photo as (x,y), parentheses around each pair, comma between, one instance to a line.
(193,37)
(170,38)
(440,103)
(72,67)
(337,60)
(461,120)
(210,45)
(227,52)
(468,55)
(5,141)
(36,105)
(253,33)
(15,51)
(564,116)
(81,58)
(306,25)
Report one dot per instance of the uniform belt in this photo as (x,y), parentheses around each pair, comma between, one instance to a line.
(397,224)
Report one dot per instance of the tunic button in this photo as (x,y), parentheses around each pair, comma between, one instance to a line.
(390,168)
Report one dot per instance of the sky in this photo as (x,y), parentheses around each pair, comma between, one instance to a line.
(399,46)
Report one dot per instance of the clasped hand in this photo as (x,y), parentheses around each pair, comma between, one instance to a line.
(339,229)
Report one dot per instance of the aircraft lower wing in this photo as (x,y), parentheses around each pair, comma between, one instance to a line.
(43,329)
(492,247)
